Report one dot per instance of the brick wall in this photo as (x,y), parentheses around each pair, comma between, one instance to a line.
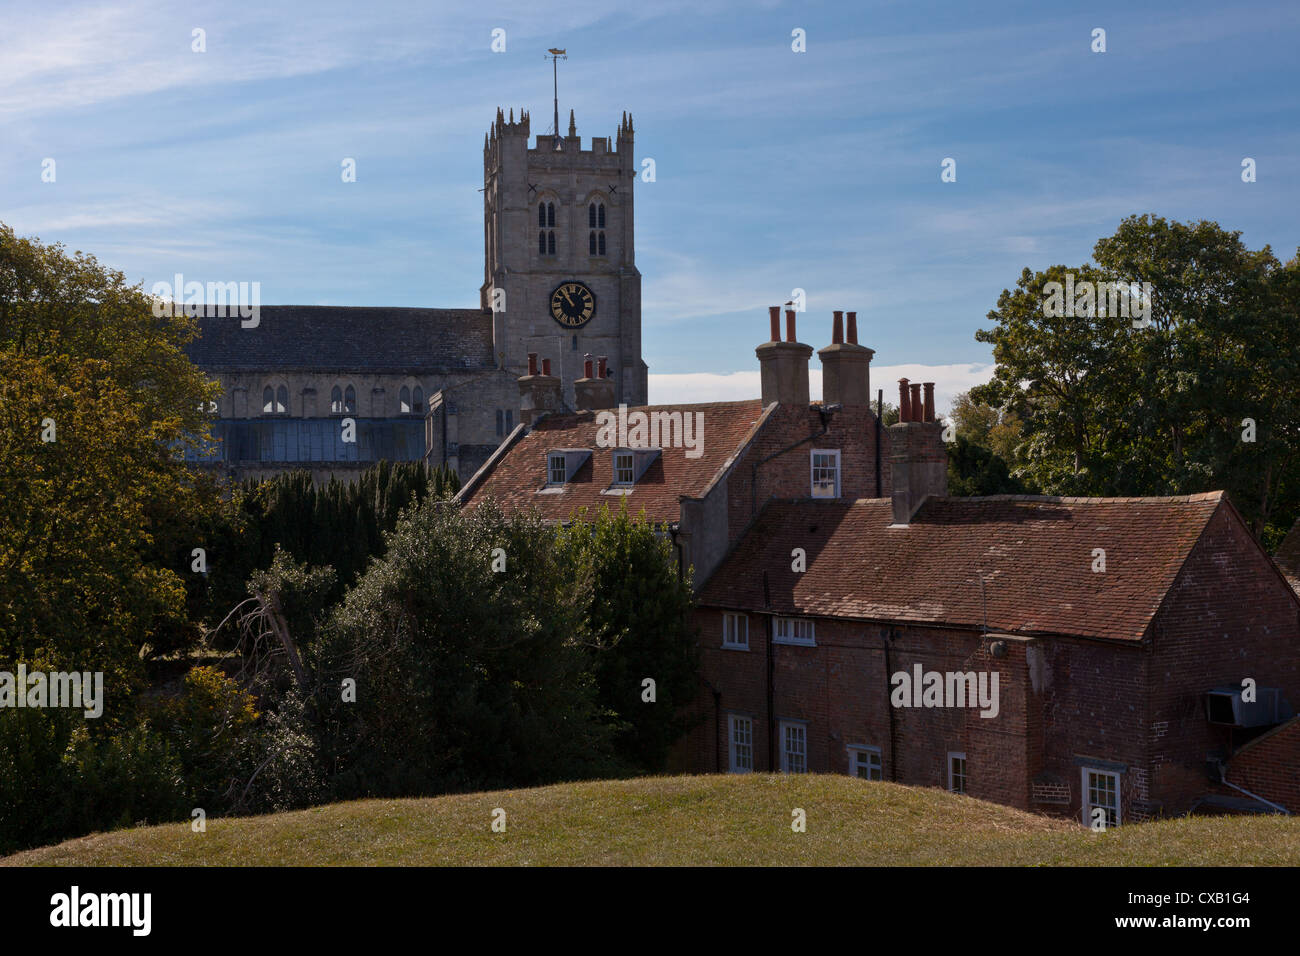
(1269,766)
(1229,616)
(841,689)
(789,474)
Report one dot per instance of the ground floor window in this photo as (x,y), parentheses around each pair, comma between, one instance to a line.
(794,747)
(864,763)
(957,772)
(1100,796)
(742,743)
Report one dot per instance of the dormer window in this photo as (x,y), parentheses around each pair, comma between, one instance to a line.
(562,464)
(630,464)
(556,470)
(624,468)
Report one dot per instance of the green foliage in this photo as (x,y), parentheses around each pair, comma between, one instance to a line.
(1109,409)
(59,779)
(976,470)
(985,443)
(641,628)
(88,521)
(211,726)
(339,524)
(465,677)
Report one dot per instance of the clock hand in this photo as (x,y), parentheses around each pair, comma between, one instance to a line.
(566,296)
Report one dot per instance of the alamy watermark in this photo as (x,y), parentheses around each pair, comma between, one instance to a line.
(922,688)
(1088,299)
(179,297)
(53,689)
(659,429)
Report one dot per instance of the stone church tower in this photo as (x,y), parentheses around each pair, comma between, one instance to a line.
(560,274)
(335,389)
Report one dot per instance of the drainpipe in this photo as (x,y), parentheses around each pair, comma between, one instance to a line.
(673,531)
(1254,796)
(893,752)
(717,724)
(771,634)
(880,409)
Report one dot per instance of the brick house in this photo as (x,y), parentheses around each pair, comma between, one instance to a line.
(705,470)
(834,572)
(1109,623)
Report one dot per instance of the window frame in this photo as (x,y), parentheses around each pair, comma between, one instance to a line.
(551,459)
(631,468)
(1085,796)
(733,753)
(856,753)
(964,775)
(812,472)
(731,636)
(795,725)
(792,639)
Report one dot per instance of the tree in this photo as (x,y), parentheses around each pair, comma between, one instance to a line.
(640,625)
(465,677)
(1162,406)
(985,444)
(97,404)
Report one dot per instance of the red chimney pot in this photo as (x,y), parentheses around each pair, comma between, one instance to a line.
(602,361)
(929,401)
(918,411)
(586,365)
(904,401)
(774,313)
(789,326)
(837,328)
(532,363)
(546,367)
(853,327)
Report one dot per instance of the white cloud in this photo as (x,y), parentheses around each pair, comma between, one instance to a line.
(690,387)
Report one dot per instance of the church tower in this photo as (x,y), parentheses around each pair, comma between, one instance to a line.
(560,270)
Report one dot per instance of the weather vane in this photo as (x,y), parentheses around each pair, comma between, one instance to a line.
(554,56)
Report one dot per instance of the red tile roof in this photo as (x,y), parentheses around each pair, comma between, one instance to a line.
(1035,555)
(516,476)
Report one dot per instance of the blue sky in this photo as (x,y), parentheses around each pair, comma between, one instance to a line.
(775,170)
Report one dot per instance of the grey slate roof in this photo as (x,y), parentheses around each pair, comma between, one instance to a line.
(343,337)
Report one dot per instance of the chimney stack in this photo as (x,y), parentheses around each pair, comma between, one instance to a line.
(593,392)
(784,365)
(846,366)
(539,393)
(919,457)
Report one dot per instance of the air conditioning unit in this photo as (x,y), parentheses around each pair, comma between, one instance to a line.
(1224,706)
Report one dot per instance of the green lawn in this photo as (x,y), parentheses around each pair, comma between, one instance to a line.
(723,819)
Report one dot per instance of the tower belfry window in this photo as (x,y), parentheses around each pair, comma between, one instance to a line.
(596,223)
(546,226)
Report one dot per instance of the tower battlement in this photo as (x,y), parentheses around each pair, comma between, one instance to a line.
(559,230)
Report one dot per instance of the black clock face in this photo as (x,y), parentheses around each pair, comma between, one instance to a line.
(572,304)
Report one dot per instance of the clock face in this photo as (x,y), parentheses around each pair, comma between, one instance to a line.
(572,304)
